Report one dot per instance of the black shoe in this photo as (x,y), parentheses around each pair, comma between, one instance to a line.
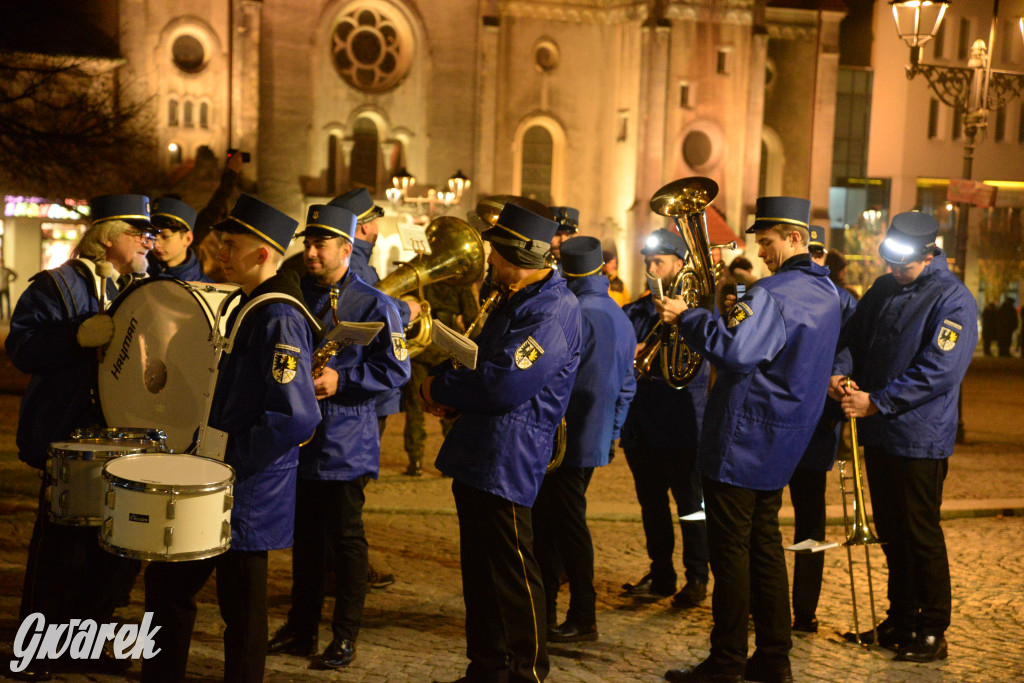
(106,663)
(35,671)
(648,586)
(806,625)
(288,641)
(702,673)
(414,469)
(763,670)
(570,632)
(693,593)
(889,636)
(377,580)
(923,649)
(339,653)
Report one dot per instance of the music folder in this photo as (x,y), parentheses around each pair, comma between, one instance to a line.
(459,347)
(414,238)
(358,334)
(657,291)
(811,546)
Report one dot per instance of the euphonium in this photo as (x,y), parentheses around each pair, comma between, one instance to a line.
(456,255)
(684,201)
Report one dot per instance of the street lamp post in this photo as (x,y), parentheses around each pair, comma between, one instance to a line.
(403,182)
(976,90)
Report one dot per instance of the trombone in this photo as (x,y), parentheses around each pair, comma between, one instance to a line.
(860,533)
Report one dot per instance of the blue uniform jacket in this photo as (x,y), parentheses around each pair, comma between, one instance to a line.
(910,348)
(774,358)
(264,400)
(389,402)
(188,270)
(529,350)
(41,343)
(661,417)
(604,383)
(347,442)
(821,452)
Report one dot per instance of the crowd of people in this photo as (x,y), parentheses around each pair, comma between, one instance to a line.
(778,363)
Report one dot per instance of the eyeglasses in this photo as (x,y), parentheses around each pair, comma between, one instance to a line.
(141,235)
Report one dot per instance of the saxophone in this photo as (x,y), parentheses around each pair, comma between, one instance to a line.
(323,355)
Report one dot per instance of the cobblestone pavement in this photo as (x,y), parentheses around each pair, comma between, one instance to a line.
(413,630)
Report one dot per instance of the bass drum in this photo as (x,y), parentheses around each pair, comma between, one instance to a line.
(161,360)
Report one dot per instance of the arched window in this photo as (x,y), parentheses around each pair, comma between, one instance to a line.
(172,113)
(365,152)
(538,152)
(188,114)
(174,153)
(204,115)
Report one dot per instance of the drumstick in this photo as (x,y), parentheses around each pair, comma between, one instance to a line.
(105,270)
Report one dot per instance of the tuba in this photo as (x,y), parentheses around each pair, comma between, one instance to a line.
(456,256)
(684,201)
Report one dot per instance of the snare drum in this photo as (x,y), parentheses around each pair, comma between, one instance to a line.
(165,507)
(75,485)
(157,368)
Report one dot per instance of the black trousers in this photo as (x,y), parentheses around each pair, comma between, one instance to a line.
(655,473)
(562,543)
(750,575)
(68,576)
(502,588)
(171,589)
(329,537)
(807,491)
(906,497)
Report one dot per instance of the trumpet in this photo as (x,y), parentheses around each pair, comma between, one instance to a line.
(860,533)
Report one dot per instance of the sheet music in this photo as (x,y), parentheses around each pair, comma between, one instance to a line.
(356,334)
(811,546)
(414,238)
(657,291)
(459,347)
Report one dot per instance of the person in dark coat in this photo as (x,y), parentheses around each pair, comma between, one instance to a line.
(499,447)
(774,355)
(598,404)
(989,327)
(910,342)
(1006,325)
(172,255)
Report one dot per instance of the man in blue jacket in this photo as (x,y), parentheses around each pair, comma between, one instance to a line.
(911,341)
(807,485)
(345,451)
(55,332)
(265,403)
(359,202)
(172,254)
(774,356)
(499,447)
(598,404)
(664,460)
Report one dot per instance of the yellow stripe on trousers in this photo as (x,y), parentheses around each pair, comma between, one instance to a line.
(533,611)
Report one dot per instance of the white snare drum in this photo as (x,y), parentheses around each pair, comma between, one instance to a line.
(157,368)
(75,485)
(165,507)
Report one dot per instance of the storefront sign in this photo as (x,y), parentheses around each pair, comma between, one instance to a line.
(971,192)
(36,207)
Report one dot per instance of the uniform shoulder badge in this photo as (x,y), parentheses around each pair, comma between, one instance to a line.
(949,334)
(528,353)
(740,312)
(399,345)
(284,367)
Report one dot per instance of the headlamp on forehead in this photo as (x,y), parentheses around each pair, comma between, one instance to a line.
(897,247)
(652,242)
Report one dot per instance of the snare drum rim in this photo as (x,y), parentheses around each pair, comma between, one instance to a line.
(130,434)
(110,454)
(152,487)
(162,557)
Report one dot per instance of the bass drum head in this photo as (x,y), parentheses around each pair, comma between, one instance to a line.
(158,366)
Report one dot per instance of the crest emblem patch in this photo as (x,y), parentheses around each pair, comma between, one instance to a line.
(284,368)
(528,353)
(947,338)
(738,314)
(399,346)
